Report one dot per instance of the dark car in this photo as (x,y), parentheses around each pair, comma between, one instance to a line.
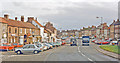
(73,42)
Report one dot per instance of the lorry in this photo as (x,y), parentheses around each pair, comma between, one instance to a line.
(85,40)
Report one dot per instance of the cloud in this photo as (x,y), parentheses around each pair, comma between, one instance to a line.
(68,14)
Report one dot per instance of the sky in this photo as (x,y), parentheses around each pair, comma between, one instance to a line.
(64,14)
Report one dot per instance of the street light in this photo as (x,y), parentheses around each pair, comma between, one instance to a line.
(101,24)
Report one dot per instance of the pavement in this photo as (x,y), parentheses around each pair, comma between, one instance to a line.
(63,53)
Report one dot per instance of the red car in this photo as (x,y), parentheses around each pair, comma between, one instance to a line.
(17,45)
(6,47)
(102,42)
(93,40)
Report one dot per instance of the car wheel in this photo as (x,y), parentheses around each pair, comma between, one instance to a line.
(35,52)
(19,52)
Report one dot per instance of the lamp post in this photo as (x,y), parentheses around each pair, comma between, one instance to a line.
(101,24)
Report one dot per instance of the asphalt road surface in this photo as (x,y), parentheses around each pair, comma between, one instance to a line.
(63,53)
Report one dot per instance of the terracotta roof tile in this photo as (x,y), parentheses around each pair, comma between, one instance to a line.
(38,23)
(2,20)
(15,23)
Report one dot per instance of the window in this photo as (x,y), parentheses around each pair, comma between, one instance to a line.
(32,46)
(21,30)
(25,31)
(9,39)
(30,30)
(26,46)
(9,30)
(15,30)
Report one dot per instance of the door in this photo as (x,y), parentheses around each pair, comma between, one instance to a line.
(26,49)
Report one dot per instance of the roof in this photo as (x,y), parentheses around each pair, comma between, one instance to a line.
(48,30)
(21,24)
(117,23)
(2,20)
(38,23)
(45,31)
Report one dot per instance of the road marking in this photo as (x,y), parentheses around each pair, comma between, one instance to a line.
(84,54)
(90,59)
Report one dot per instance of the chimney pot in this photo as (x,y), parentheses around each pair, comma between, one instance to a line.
(22,18)
(36,18)
(113,20)
(117,19)
(16,18)
(30,19)
(6,16)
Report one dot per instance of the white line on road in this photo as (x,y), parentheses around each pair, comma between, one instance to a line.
(83,54)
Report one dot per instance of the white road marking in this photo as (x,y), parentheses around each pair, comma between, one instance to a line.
(84,54)
(90,59)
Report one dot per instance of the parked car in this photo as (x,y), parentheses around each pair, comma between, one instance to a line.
(100,42)
(52,44)
(114,42)
(42,45)
(49,46)
(46,47)
(63,42)
(28,48)
(6,47)
(93,40)
(17,45)
(57,44)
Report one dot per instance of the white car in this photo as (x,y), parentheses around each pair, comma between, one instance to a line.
(28,48)
(49,45)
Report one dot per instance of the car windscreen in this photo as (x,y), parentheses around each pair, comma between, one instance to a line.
(14,43)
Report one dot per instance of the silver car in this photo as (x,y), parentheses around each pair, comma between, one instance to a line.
(28,48)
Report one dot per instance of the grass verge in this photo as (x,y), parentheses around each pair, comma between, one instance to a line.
(111,48)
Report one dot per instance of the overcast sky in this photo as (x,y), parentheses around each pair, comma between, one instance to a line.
(65,14)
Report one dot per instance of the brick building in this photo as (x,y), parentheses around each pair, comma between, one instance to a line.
(20,31)
(53,31)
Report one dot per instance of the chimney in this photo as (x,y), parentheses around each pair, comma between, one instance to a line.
(22,18)
(117,20)
(113,21)
(83,27)
(6,16)
(36,18)
(30,19)
(16,18)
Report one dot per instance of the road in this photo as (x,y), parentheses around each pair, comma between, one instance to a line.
(64,53)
